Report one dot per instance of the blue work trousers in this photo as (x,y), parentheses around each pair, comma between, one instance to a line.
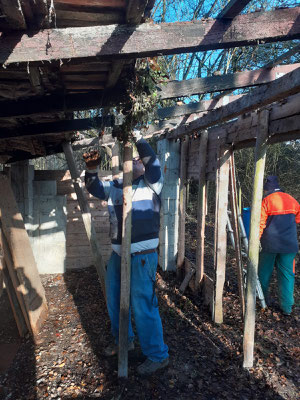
(143,303)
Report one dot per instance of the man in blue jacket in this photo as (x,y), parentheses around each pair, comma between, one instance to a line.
(146,187)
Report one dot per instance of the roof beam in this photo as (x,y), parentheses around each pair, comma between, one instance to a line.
(121,41)
(261,96)
(57,127)
(233,8)
(223,82)
(60,103)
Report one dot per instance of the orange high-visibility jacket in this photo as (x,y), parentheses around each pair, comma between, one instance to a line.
(280,213)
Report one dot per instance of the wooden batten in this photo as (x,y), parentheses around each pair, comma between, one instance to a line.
(20,260)
(253,254)
(220,241)
(125,262)
(182,204)
(201,208)
(236,232)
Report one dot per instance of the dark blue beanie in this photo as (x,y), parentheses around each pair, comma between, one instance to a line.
(271,183)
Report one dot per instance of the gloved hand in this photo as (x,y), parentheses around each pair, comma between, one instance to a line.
(136,135)
(92,159)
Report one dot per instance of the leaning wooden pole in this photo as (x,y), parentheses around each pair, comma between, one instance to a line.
(86,214)
(220,239)
(182,204)
(236,233)
(201,209)
(125,262)
(252,266)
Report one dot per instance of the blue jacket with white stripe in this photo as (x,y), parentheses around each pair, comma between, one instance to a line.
(145,202)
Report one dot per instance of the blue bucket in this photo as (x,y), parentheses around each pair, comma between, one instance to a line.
(246,217)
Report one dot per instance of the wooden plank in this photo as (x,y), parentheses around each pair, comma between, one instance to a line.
(15,306)
(234,81)
(115,162)
(236,232)
(125,262)
(220,242)
(22,256)
(201,209)
(94,3)
(13,12)
(233,8)
(150,39)
(182,204)
(86,214)
(261,96)
(55,127)
(82,18)
(253,254)
(60,102)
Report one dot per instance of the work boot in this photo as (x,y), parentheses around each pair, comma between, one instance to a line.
(113,349)
(149,367)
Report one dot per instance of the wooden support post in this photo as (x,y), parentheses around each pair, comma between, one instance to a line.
(115,160)
(252,266)
(86,214)
(182,205)
(201,209)
(220,242)
(20,260)
(125,262)
(236,232)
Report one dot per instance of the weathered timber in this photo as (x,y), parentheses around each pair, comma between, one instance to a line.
(236,233)
(201,209)
(191,108)
(56,127)
(60,102)
(13,12)
(233,8)
(15,306)
(24,265)
(220,241)
(182,203)
(223,82)
(253,255)
(120,41)
(261,96)
(135,11)
(125,262)
(86,214)
(94,3)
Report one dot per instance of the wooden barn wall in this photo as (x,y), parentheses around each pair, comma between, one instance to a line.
(78,251)
(284,125)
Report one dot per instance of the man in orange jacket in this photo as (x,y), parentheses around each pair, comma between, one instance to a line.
(278,235)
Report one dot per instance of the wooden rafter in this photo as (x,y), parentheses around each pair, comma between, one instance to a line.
(13,12)
(223,82)
(117,41)
(233,8)
(134,13)
(58,102)
(55,127)
(261,96)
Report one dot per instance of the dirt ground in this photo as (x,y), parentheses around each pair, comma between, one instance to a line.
(67,362)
